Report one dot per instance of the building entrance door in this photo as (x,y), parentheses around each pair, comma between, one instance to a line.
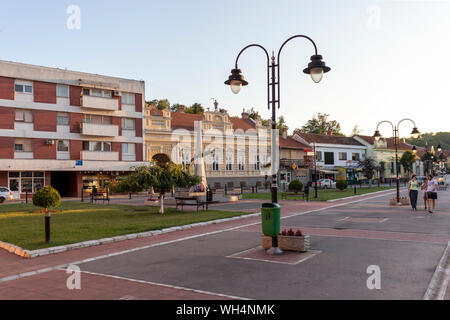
(14,186)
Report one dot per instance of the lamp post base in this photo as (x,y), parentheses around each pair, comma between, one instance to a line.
(274,251)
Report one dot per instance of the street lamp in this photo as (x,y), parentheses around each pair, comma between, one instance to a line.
(316,68)
(414,134)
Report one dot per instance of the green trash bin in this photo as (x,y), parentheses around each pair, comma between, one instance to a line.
(270,215)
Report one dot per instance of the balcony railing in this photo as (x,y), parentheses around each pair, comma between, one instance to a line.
(299,163)
(100,103)
(100,155)
(102,130)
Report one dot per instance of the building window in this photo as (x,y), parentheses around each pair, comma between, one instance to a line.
(97,93)
(355,156)
(24,116)
(241,163)
(62,119)
(128,124)
(329,157)
(319,155)
(128,98)
(342,155)
(23,88)
(26,181)
(62,146)
(257,163)
(128,148)
(229,163)
(23,145)
(97,119)
(98,146)
(62,91)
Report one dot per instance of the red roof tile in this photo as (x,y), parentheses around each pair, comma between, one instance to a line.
(322,138)
(390,143)
(186,121)
(291,143)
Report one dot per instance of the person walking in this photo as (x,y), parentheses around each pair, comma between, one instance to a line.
(432,187)
(413,191)
(424,187)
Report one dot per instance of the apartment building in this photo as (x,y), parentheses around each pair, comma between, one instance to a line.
(67,129)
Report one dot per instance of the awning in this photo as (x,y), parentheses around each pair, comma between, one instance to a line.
(328,171)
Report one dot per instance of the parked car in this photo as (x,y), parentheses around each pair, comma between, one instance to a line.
(421,179)
(5,194)
(326,184)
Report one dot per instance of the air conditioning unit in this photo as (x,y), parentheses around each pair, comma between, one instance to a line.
(117,93)
(50,142)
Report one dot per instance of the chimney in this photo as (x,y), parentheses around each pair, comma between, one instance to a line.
(245,115)
(284,133)
(180,108)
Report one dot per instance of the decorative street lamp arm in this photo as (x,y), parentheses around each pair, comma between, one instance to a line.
(392,125)
(268,67)
(278,59)
(398,125)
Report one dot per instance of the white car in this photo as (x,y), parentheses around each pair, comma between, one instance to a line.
(326,184)
(5,194)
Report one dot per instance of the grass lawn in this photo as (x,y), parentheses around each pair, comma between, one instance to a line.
(77,222)
(323,195)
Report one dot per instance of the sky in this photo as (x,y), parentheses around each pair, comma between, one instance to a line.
(388,58)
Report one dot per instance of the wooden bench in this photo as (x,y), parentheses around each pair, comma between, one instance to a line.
(102,196)
(284,195)
(190,201)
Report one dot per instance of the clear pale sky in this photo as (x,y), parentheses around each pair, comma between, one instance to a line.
(389,58)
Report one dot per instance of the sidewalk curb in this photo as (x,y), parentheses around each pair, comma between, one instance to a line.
(439,282)
(30,254)
(362,195)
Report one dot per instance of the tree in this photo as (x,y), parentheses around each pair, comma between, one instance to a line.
(428,159)
(196,108)
(369,167)
(341,184)
(162,178)
(160,104)
(47,198)
(356,131)
(281,125)
(253,114)
(127,185)
(321,125)
(432,139)
(407,160)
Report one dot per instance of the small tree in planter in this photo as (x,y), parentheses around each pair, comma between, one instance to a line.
(162,178)
(47,198)
(341,185)
(296,186)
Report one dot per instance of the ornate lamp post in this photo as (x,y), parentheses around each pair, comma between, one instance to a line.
(395,128)
(316,68)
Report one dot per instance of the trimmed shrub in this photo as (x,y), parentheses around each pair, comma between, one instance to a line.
(46,198)
(341,185)
(295,186)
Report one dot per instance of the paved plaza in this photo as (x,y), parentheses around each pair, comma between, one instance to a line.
(225,260)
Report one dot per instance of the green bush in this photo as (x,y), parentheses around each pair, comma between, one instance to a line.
(47,197)
(296,186)
(341,184)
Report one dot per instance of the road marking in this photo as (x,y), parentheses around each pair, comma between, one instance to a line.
(162,285)
(439,282)
(22,275)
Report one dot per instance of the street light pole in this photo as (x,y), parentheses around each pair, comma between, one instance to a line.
(316,68)
(315,172)
(395,128)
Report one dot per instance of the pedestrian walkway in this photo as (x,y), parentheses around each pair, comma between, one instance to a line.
(349,236)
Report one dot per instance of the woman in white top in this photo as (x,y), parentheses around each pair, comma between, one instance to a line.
(432,188)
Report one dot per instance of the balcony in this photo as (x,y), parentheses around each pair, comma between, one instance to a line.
(99,103)
(100,130)
(299,163)
(99,156)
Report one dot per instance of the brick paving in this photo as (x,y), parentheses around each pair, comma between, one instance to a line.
(52,284)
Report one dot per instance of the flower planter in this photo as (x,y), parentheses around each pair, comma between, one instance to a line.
(151,203)
(288,243)
(403,201)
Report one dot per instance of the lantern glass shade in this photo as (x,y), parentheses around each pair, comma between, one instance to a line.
(414,149)
(439,148)
(377,136)
(415,133)
(317,74)
(236,86)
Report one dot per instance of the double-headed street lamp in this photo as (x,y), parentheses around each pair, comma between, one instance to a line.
(316,68)
(414,134)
